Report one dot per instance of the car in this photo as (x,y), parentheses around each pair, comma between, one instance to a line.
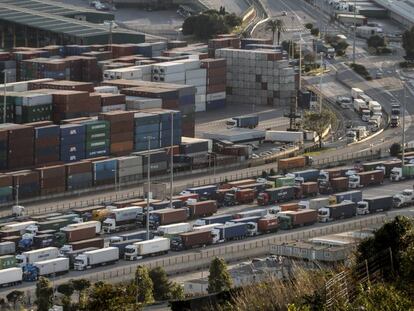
(379,75)
(255,156)
(261,180)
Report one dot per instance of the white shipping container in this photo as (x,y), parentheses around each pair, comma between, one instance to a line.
(174,228)
(200,106)
(127,73)
(10,276)
(285,136)
(40,254)
(190,64)
(126,213)
(86,224)
(140,103)
(113,108)
(359,104)
(196,82)
(168,68)
(106,89)
(156,245)
(52,266)
(200,98)
(102,255)
(7,248)
(170,77)
(20,226)
(215,96)
(201,90)
(196,74)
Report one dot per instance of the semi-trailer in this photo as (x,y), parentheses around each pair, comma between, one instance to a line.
(73,246)
(353,195)
(33,256)
(305,176)
(174,229)
(314,204)
(167,216)
(156,246)
(11,277)
(192,239)
(19,226)
(250,121)
(223,218)
(121,245)
(310,189)
(231,231)
(92,223)
(203,190)
(99,257)
(239,196)
(78,234)
(55,266)
(402,173)
(7,261)
(121,219)
(374,205)
(140,235)
(292,219)
(202,208)
(275,195)
(267,224)
(73,254)
(256,212)
(345,209)
(365,179)
(7,248)
(294,162)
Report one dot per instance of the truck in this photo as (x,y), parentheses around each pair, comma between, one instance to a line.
(359,105)
(275,195)
(228,232)
(292,219)
(345,209)
(11,277)
(78,234)
(156,246)
(356,93)
(190,240)
(310,189)
(203,190)
(395,109)
(285,181)
(365,179)
(141,235)
(31,257)
(395,121)
(223,218)
(174,228)
(374,205)
(167,216)
(50,267)
(374,107)
(256,212)
(249,121)
(402,173)
(403,198)
(326,175)
(121,219)
(282,208)
(73,254)
(239,196)
(7,261)
(73,246)
(353,195)
(19,226)
(294,162)
(92,223)
(202,208)
(267,224)
(365,115)
(305,176)
(99,257)
(7,248)
(284,136)
(121,245)
(314,204)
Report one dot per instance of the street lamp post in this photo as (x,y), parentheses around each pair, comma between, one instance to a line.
(403,122)
(353,44)
(149,183)
(172,160)
(5,96)
(115,171)
(16,188)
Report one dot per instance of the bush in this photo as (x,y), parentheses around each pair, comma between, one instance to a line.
(314,32)
(362,71)
(406,64)
(309,26)
(395,149)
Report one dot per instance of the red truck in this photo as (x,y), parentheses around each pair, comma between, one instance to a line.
(78,234)
(295,162)
(292,219)
(191,239)
(310,189)
(365,179)
(167,216)
(267,224)
(338,184)
(239,196)
(202,208)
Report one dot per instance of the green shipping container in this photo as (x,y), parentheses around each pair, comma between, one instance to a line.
(372,165)
(408,170)
(285,181)
(97,144)
(8,261)
(6,191)
(54,224)
(97,136)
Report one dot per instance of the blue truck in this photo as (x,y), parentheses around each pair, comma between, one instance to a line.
(230,232)
(203,191)
(216,219)
(354,196)
(306,175)
(249,121)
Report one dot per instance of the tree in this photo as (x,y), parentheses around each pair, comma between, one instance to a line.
(314,32)
(14,297)
(67,290)
(395,149)
(162,286)
(408,43)
(341,47)
(272,172)
(407,263)
(309,26)
(144,285)
(177,291)
(44,294)
(376,41)
(264,174)
(80,285)
(219,279)
(318,122)
(275,25)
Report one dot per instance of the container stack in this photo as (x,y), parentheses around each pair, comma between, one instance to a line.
(52,179)
(20,146)
(46,144)
(158,162)
(72,142)
(221,43)
(112,102)
(78,175)
(197,76)
(27,183)
(170,72)
(32,107)
(121,125)
(4,146)
(40,68)
(62,85)
(9,65)
(97,138)
(244,42)
(165,127)
(152,49)
(6,190)
(129,169)
(104,171)
(10,111)
(259,77)
(140,103)
(146,125)
(216,83)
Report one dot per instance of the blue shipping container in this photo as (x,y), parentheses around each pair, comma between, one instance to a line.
(72,129)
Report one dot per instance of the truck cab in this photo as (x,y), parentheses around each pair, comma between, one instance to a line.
(351,137)
(395,109)
(67,248)
(362,208)
(323,214)
(17,210)
(131,252)
(231,123)
(365,115)
(403,199)
(80,262)
(354,182)
(109,225)
(395,121)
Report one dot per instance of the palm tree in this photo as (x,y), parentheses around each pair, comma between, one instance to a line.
(275,25)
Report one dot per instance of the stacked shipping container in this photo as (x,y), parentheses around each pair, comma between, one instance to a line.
(216,83)
(52,179)
(129,168)
(6,190)
(72,142)
(46,144)
(20,145)
(105,171)
(78,175)
(146,126)
(97,138)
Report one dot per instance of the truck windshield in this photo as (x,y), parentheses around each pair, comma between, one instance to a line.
(322,212)
(353,179)
(407,193)
(19,259)
(129,250)
(78,262)
(361,205)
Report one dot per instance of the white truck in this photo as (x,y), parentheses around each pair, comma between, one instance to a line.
(11,277)
(174,228)
(147,248)
(99,257)
(403,199)
(122,219)
(360,105)
(315,204)
(52,266)
(375,107)
(356,93)
(20,226)
(86,224)
(36,255)
(284,136)
(365,115)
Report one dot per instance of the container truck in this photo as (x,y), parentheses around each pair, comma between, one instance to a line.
(139,250)
(239,196)
(365,179)
(99,257)
(305,176)
(356,93)
(285,181)
(202,208)
(359,105)
(7,261)
(284,136)
(7,248)
(11,277)
(141,235)
(92,223)
(403,198)
(73,246)
(353,195)
(345,209)
(314,204)
(310,189)
(275,195)
(50,267)
(223,218)
(292,219)
(185,197)
(121,219)
(203,191)
(31,257)
(238,183)
(78,234)
(395,121)
(250,121)
(374,205)
(189,240)
(228,232)
(19,226)
(167,216)
(174,229)
(121,245)
(256,212)
(267,224)
(326,175)
(402,173)
(294,162)
(73,254)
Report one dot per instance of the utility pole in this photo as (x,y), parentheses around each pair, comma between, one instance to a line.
(353,44)
(5,97)
(171,160)
(403,122)
(300,63)
(110,34)
(149,183)
(320,89)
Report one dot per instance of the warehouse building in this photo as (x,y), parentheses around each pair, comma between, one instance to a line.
(400,11)
(35,28)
